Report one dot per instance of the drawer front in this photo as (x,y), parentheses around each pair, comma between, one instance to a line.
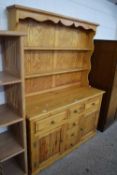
(50,123)
(92,104)
(76,110)
(73,122)
(73,132)
(73,137)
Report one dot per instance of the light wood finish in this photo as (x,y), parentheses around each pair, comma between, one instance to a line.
(88,124)
(21,12)
(55,73)
(11,33)
(62,110)
(92,104)
(83,126)
(12,113)
(51,122)
(55,49)
(47,102)
(45,52)
(104,76)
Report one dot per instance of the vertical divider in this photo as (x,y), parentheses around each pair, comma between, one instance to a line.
(21,45)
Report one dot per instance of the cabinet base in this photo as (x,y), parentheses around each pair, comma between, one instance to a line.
(58,156)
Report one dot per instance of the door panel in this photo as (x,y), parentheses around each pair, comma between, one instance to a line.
(88,124)
(48,147)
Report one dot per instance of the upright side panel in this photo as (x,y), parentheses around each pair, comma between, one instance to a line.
(102,76)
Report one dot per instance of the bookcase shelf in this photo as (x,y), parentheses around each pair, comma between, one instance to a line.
(6,33)
(12,141)
(6,78)
(8,117)
(53,89)
(57,49)
(9,146)
(55,72)
(12,166)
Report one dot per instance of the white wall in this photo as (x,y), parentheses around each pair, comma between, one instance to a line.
(98,11)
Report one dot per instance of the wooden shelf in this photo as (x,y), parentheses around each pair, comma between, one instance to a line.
(53,89)
(11,33)
(59,49)
(9,147)
(55,73)
(6,79)
(12,141)
(8,117)
(12,167)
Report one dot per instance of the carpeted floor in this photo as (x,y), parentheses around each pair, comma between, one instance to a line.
(98,156)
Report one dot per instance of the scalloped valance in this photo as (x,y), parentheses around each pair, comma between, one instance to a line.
(21,12)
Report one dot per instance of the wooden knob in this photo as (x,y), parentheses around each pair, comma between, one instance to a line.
(93,104)
(81,129)
(74,124)
(72,134)
(71,144)
(75,111)
(52,122)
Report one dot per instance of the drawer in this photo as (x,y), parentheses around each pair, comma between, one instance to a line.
(49,123)
(72,123)
(76,110)
(92,104)
(73,137)
(73,132)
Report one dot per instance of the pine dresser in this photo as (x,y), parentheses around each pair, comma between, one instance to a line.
(62,109)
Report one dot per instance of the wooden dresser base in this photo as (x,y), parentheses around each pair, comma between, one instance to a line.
(62,126)
(53,160)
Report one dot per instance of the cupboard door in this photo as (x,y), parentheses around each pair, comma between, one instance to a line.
(48,148)
(88,125)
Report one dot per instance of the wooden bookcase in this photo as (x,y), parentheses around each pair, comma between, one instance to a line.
(13,158)
(62,110)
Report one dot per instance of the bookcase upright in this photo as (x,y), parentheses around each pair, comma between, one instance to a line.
(13,156)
